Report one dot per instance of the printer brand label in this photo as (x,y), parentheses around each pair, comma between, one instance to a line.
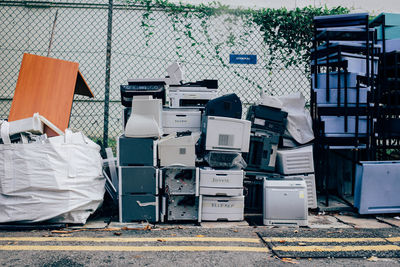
(221,205)
(181,121)
(220,180)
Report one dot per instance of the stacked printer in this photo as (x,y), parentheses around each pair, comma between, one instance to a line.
(268,124)
(278,179)
(158,178)
(177,156)
(224,137)
(298,162)
(137,161)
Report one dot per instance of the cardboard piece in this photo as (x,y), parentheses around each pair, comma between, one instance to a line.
(47,85)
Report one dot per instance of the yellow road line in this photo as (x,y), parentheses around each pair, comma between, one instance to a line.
(336,248)
(132,239)
(322,240)
(393,239)
(134,248)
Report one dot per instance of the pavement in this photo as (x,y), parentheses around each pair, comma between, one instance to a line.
(335,239)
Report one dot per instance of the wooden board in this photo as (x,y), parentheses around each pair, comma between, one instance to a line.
(47,85)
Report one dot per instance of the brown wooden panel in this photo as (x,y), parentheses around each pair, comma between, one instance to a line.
(45,85)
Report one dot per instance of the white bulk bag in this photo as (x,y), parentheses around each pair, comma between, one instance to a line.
(60,180)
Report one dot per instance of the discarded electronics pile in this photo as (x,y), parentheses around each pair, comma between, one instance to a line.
(355,103)
(187,161)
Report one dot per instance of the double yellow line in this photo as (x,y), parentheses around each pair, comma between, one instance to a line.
(124,248)
(305,241)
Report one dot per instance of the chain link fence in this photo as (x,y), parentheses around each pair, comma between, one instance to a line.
(143,45)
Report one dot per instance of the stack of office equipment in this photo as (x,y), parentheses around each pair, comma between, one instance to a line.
(254,188)
(224,136)
(298,163)
(180,187)
(181,120)
(285,201)
(178,149)
(282,200)
(137,162)
(344,65)
(186,102)
(161,135)
(267,126)
(192,95)
(142,87)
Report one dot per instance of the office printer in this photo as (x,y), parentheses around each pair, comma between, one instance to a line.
(151,86)
(192,95)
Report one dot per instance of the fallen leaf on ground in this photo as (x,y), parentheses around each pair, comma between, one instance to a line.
(282,241)
(199,235)
(117,233)
(372,258)
(130,229)
(108,229)
(63,231)
(161,240)
(147,227)
(235,231)
(296,231)
(65,235)
(60,232)
(162,228)
(289,260)
(335,232)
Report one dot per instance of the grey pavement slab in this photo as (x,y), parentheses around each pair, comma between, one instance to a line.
(240,224)
(325,221)
(390,220)
(360,222)
(92,224)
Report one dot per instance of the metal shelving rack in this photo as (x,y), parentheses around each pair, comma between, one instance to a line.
(386,135)
(335,38)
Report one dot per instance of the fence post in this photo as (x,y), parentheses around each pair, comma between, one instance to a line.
(108,70)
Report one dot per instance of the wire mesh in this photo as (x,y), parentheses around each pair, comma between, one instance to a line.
(143,45)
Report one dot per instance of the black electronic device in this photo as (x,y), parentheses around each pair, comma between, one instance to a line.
(135,88)
(262,153)
(224,106)
(267,118)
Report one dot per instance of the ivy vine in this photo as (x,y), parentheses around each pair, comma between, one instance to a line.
(287,34)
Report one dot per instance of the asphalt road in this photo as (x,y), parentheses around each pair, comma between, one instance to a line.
(167,247)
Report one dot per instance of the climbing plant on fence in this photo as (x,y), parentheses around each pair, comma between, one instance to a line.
(287,33)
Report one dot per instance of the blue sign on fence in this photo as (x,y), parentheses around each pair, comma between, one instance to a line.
(242,59)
